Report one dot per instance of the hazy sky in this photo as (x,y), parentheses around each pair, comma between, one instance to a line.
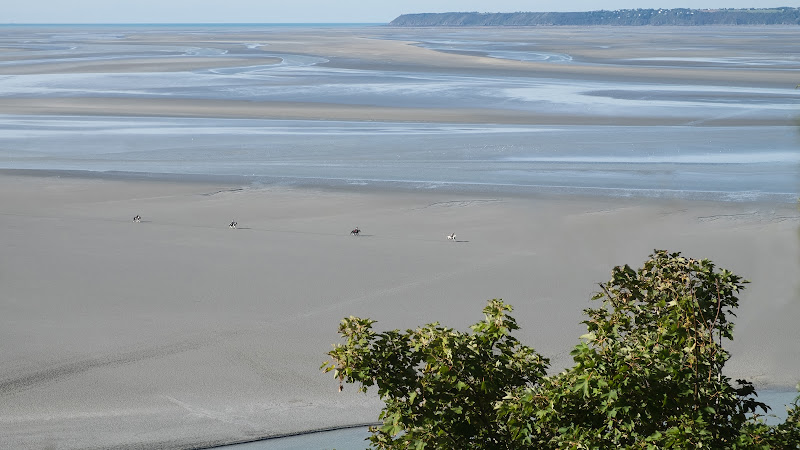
(273,11)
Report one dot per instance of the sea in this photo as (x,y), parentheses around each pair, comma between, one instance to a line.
(693,159)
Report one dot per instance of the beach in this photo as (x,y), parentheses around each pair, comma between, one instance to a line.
(179,331)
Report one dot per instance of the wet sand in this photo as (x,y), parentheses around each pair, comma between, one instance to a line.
(703,56)
(342,112)
(179,331)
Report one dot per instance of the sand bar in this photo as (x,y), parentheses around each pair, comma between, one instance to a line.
(343,112)
(133,65)
(179,331)
(723,59)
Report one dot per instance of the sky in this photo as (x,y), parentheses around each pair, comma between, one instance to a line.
(312,11)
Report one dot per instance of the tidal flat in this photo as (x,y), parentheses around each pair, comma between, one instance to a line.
(553,153)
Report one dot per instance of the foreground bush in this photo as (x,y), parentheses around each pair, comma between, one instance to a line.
(440,386)
(648,374)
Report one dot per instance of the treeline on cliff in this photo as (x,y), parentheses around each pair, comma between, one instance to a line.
(624,17)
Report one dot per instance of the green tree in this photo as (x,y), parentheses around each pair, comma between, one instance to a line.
(439,385)
(648,374)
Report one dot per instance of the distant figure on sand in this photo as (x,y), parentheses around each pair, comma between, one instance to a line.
(233,224)
(452,237)
(137,218)
(355,231)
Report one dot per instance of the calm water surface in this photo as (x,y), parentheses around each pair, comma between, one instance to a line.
(690,160)
(354,438)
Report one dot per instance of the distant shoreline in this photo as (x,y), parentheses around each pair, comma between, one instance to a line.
(619,17)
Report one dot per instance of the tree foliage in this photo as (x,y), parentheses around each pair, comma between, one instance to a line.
(440,386)
(648,374)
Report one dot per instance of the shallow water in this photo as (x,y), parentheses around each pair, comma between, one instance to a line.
(778,401)
(688,160)
(720,163)
(354,438)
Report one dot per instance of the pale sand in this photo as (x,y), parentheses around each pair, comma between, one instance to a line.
(178,331)
(599,50)
(128,65)
(137,107)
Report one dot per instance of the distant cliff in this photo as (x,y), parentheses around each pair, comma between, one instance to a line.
(626,17)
